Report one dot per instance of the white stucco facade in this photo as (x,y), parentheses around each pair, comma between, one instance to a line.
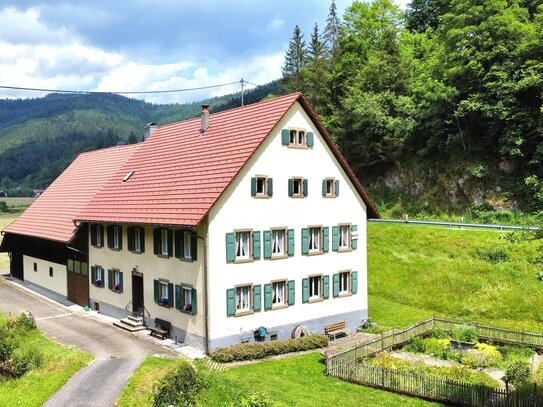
(236,209)
(38,271)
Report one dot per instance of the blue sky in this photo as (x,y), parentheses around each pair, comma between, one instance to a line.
(149,45)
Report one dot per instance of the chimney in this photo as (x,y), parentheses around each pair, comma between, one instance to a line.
(149,129)
(205,119)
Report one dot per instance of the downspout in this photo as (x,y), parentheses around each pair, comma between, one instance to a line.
(206,294)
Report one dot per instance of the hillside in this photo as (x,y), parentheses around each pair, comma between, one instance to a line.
(40,137)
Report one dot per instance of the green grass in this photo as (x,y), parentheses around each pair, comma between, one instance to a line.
(34,388)
(18,202)
(6,219)
(140,386)
(415,272)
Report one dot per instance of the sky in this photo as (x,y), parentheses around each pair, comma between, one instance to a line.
(143,45)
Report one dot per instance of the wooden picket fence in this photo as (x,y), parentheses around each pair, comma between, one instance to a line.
(350,365)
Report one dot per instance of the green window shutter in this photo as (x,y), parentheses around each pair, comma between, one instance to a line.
(335,282)
(256,244)
(335,238)
(354,282)
(178,243)
(194,304)
(267,244)
(156,241)
(178,296)
(130,237)
(110,236)
(324,187)
(326,287)
(305,290)
(155,290)
(354,242)
(257,298)
(253,186)
(285,137)
(337,187)
(267,296)
(290,187)
(230,302)
(306,187)
(193,247)
(142,239)
(121,281)
(230,247)
(94,232)
(290,233)
(170,243)
(305,241)
(110,279)
(170,294)
(93,275)
(310,139)
(325,239)
(291,292)
(270,186)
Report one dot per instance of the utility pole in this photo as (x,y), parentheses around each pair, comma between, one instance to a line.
(242,82)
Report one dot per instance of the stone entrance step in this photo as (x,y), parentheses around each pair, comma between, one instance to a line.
(130,324)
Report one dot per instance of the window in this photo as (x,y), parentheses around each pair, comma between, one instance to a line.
(187,252)
(163,242)
(330,188)
(243,299)
(344,237)
(315,283)
(243,246)
(185,245)
(279,296)
(297,138)
(278,242)
(261,186)
(163,293)
(136,239)
(345,283)
(185,298)
(315,244)
(50,271)
(97,276)
(344,278)
(115,280)
(35,266)
(114,237)
(78,267)
(297,187)
(97,235)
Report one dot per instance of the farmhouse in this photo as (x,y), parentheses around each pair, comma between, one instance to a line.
(242,225)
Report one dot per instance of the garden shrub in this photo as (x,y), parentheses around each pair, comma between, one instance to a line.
(517,373)
(254,400)
(438,333)
(464,333)
(259,350)
(179,387)
(25,360)
(482,355)
(415,345)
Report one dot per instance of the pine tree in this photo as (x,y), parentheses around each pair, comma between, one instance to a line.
(332,33)
(295,60)
(316,46)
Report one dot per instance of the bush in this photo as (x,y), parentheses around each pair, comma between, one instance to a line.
(255,400)
(464,333)
(24,361)
(259,350)
(179,387)
(438,333)
(482,355)
(415,345)
(517,373)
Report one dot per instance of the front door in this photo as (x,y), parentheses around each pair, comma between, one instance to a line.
(137,293)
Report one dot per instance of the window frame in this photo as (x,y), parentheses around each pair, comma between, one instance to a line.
(164,243)
(284,253)
(320,297)
(163,286)
(300,193)
(284,304)
(99,270)
(116,277)
(137,239)
(264,181)
(250,244)
(348,292)
(184,289)
(349,246)
(249,309)
(320,242)
(187,245)
(296,132)
(117,233)
(330,186)
(97,235)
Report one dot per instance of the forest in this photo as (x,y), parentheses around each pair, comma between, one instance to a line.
(437,106)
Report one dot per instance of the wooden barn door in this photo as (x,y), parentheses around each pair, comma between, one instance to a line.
(78,282)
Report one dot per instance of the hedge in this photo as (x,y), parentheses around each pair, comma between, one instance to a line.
(259,350)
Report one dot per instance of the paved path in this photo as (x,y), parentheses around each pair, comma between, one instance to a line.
(117,353)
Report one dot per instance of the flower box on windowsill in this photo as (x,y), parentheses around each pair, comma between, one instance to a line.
(117,288)
(98,283)
(164,302)
(187,308)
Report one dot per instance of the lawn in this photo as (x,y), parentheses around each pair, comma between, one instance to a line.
(34,388)
(415,272)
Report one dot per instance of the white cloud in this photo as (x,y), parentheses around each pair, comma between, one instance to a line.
(276,24)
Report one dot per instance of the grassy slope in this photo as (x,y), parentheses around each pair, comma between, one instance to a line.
(415,272)
(37,386)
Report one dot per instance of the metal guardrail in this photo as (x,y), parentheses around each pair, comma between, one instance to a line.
(455,224)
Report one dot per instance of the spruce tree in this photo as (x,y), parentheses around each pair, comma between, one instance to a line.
(332,32)
(316,46)
(295,60)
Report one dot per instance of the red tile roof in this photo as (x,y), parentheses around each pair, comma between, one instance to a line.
(179,174)
(51,215)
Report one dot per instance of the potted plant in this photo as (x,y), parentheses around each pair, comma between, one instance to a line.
(464,337)
(98,283)
(116,287)
(188,307)
(163,301)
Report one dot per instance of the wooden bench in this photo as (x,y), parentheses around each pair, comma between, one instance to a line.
(335,329)
(161,328)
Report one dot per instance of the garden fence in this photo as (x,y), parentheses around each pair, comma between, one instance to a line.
(349,365)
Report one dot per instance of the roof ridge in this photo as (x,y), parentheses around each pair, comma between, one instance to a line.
(100,150)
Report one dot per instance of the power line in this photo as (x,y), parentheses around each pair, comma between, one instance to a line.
(120,93)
